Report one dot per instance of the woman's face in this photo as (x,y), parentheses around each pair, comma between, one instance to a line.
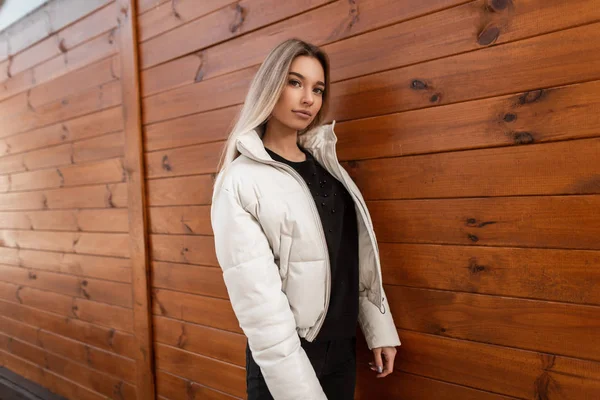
(302,96)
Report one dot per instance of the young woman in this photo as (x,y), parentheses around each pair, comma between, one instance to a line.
(295,240)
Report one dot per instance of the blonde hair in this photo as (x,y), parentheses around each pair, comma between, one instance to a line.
(265,90)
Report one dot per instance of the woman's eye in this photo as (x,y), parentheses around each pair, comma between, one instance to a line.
(319,90)
(294,82)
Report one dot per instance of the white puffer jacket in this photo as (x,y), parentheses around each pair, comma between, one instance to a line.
(272,249)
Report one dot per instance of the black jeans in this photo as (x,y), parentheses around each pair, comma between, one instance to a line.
(334,362)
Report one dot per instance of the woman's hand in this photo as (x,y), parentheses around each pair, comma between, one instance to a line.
(383,361)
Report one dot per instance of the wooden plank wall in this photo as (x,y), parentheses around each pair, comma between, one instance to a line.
(472,128)
(65,274)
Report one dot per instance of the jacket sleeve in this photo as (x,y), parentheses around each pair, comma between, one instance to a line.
(379,329)
(261,307)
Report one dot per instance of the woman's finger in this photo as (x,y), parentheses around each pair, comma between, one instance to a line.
(377,359)
(388,356)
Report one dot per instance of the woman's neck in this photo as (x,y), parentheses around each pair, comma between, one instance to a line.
(282,140)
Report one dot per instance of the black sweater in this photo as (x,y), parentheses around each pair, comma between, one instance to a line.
(338,216)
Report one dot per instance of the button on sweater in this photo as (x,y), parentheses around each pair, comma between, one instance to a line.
(338,217)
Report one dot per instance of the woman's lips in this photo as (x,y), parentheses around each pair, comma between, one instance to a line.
(302,115)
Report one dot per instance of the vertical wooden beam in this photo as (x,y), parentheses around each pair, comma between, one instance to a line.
(136,199)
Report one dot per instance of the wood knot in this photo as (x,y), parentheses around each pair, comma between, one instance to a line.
(240,16)
(61,46)
(84,283)
(531,96)
(474,267)
(523,138)
(32,275)
(435,98)
(174,10)
(353,164)
(488,35)
(498,5)
(472,222)
(165,163)
(418,85)
(473,238)
(200,71)
(510,117)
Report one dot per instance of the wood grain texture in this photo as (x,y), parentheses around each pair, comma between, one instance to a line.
(329,23)
(136,195)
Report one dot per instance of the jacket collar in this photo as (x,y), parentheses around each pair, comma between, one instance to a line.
(315,140)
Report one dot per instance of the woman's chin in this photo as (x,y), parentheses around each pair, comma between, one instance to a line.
(298,125)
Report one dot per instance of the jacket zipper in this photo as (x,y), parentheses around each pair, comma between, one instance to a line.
(317,327)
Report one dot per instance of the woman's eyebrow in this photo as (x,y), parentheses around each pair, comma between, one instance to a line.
(302,77)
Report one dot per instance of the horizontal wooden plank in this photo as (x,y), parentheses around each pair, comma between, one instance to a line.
(98,359)
(566,112)
(556,328)
(27,31)
(514,221)
(99,148)
(405,386)
(196,159)
(178,388)
(104,244)
(210,342)
(39,52)
(86,376)
(49,18)
(72,307)
(213,373)
(147,5)
(543,274)
(207,281)
(85,102)
(95,74)
(189,190)
(566,167)
(207,95)
(508,371)
(104,220)
(184,131)
(101,360)
(184,249)
(49,379)
(179,220)
(427,84)
(223,24)
(162,19)
(108,171)
(96,49)
(91,125)
(22,331)
(114,293)
(100,196)
(97,220)
(100,21)
(326,24)
(207,311)
(443,81)
(105,338)
(97,23)
(85,266)
(453,31)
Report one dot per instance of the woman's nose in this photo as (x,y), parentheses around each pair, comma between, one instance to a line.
(308,98)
